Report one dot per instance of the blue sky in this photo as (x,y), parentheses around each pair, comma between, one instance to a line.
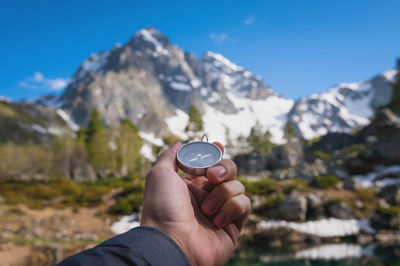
(297,47)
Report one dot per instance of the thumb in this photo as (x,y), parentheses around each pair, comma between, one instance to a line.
(167,159)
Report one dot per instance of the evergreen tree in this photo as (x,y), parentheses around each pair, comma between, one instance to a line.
(129,144)
(289,131)
(97,147)
(260,141)
(195,120)
(394,104)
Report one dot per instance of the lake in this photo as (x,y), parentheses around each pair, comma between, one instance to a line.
(327,254)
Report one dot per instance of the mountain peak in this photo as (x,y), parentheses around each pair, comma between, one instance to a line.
(152,38)
(221,62)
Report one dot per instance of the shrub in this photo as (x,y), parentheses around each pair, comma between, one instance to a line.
(260,187)
(272,202)
(326,181)
(295,184)
(389,212)
(323,155)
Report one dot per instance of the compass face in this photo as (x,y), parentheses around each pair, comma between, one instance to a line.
(199,154)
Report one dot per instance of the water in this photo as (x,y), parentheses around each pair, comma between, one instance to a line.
(342,254)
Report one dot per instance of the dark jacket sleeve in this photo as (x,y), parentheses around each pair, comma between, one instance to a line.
(140,246)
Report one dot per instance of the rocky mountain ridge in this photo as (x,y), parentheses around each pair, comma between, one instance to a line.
(153,83)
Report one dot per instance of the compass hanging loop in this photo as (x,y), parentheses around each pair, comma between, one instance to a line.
(195,157)
(204,136)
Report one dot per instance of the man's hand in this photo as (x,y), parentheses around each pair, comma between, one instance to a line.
(204,215)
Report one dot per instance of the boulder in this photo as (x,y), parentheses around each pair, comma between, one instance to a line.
(391,194)
(352,183)
(380,221)
(339,210)
(385,130)
(315,209)
(251,162)
(331,142)
(294,208)
(287,155)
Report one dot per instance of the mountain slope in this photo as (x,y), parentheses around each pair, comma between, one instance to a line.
(23,122)
(153,83)
(341,108)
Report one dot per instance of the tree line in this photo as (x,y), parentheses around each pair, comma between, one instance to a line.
(93,152)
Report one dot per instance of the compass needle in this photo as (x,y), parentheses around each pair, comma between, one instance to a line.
(195,157)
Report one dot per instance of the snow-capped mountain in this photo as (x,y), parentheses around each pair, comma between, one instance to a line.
(341,108)
(153,83)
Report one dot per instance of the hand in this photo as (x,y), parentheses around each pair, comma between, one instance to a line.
(204,215)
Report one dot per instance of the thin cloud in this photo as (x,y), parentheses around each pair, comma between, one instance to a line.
(218,37)
(250,20)
(37,81)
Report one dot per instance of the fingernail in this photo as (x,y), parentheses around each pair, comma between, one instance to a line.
(218,171)
(210,204)
(219,220)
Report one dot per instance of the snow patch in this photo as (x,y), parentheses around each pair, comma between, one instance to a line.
(151,137)
(72,125)
(125,224)
(390,74)
(147,152)
(147,35)
(93,64)
(177,123)
(180,86)
(270,113)
(331,227)
(377,179)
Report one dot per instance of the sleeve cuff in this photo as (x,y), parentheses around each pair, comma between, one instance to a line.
(153,245)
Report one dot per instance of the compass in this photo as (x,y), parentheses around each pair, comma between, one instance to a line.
(195,157)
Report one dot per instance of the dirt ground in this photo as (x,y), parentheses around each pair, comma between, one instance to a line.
(46,236)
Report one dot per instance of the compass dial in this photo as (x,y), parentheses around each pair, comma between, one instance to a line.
(198,155)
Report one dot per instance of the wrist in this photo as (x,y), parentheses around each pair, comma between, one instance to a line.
(181,239)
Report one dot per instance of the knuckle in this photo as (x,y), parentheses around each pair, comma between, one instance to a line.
(241,187)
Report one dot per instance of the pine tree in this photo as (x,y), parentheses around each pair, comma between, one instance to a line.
(260,141)
(289,131)
(129,144)
(195,120)
(97,147)
(394,104)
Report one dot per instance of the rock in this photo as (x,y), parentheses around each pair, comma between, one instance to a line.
(359,204)
(339,210)
(352,183)
(287,155)
(315,209)
(385,128)
(379,221)
(310,170)
(331,142)
(251,163)
(294,208)
(383,204)
(391,194)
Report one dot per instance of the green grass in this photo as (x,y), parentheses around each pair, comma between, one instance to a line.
(272,202)
(323,155)
(326,181)
(260,187)
(63,193)
(389,212)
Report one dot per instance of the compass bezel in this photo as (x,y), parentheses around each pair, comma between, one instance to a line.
(193,170)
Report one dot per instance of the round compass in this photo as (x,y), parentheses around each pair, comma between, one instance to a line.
(195,157)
